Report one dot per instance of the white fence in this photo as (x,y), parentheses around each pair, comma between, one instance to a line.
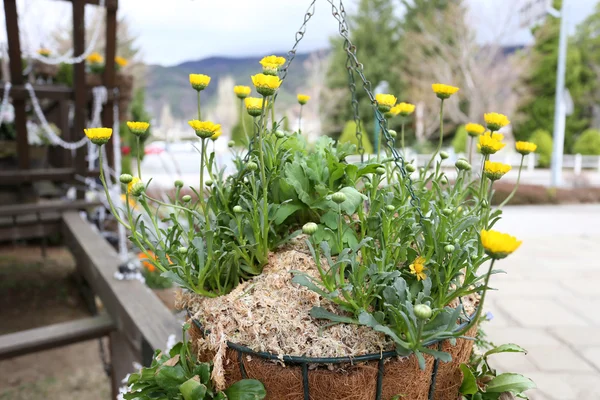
(575,162)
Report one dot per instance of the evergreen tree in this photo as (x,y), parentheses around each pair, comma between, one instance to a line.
(588,40)
(375,31)
(237,133)
(536,111)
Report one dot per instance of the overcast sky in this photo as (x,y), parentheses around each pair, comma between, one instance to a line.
(178,30)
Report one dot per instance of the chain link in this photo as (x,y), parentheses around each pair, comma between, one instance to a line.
(349,47)
(340,15)
(290,57)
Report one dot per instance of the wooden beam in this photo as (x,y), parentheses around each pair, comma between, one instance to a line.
(138,313)
(9,178)
(56,335)
(47,206)
(79,87)
(51,92)
(16,74)
(109,78)
(28,231)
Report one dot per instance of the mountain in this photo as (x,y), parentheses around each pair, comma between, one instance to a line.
(170,85)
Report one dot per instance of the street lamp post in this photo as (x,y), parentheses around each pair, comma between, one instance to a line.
(559,103)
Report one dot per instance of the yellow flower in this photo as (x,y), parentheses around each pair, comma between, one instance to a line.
(405,109)
(266,84)
(271,64)
(525,147)
(498,245)
(385,102)
(418,267)
(121,61)
(474,130)
(132,183)
(199,81)
(444,91)
(272,60)
(138,128)
(44,52)
(303,99)
(242,91)
(205,129)
(98,136)
(495,170)
(216,135)
(490,144)
(254,106)
(495,121)
(95,58)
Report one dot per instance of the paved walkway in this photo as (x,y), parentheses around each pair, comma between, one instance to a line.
(549,300)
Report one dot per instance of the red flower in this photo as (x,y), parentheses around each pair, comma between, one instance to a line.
(125,150)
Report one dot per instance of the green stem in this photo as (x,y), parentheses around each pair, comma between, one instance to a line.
(263,177)
(201,189)
(110,203)
(482,183)
(481,302)
(402,137)
(300,120)
(439,147)
(340,229)
(139,161)
(244,120)
(510,196)
(199,113)
(272,109)
(470,149)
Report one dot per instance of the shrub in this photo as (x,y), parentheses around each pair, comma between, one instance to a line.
(459,142)
(349,136)
(588,143)
(543,139)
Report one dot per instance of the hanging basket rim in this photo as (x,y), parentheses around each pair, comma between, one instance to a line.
(299,360)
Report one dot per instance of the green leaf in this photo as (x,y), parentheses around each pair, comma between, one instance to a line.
(321,313)
(440,355)
(192,389)
(509,382)
(305,281)
(469,383)
(284,211)
(169,378)
(505,348)
(246,389)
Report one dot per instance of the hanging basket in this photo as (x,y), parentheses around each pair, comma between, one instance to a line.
(380,376)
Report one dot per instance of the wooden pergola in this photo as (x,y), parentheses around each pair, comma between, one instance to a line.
(61,96)
(134,319)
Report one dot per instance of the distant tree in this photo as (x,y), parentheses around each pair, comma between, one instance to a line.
(375,31)
(441,46)
(349,136)
(588,40)
(536,110)
(459,142)
(588,143)
(543,139)
(237,133)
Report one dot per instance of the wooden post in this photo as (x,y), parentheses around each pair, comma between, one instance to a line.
(16,74)
(79,85)
(109,73)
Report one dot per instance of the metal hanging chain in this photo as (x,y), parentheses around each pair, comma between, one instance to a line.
(343,25)
(290,57)
(339,15)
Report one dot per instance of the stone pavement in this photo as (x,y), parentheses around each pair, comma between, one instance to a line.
(549,300)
